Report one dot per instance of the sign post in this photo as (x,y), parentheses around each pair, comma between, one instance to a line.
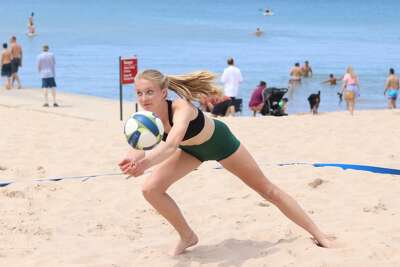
(127,72)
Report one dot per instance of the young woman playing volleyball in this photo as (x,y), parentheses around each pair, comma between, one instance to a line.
(191,138)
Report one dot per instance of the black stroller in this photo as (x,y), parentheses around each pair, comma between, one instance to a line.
(272,97)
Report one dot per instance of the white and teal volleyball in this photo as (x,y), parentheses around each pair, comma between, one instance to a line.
(143,130)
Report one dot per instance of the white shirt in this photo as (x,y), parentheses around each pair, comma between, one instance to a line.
(46,65)
(231,78)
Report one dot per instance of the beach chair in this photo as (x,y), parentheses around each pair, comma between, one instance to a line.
(272,96)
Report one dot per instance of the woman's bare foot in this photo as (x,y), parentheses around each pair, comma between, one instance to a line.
(184,244)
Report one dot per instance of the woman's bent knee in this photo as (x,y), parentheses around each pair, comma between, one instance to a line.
(150,190)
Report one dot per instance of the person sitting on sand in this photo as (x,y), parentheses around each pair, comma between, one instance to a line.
(392,88)
(217,104)
(191,138)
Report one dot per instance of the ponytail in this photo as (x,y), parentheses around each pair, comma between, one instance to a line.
(191,86)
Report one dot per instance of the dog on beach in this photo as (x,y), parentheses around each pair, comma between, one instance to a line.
(314,100)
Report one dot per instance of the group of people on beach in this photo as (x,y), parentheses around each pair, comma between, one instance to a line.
(297,72)
(349,90)
(226,102)
(11,57)
(11,61)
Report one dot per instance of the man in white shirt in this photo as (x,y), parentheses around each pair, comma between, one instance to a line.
(231,78)
(46,66)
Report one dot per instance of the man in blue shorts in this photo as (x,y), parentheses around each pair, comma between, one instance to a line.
(392,88)
(46,66)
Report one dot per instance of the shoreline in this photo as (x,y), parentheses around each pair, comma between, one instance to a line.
(36,95)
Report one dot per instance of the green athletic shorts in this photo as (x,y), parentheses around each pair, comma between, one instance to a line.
(221,145)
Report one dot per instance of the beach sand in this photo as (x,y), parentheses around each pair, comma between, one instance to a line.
(105,221)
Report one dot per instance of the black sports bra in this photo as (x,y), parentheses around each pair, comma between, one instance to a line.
(194,128)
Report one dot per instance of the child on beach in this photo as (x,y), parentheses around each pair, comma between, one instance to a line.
(191,138)
(283,105)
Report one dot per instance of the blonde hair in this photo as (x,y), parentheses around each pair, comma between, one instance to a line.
(351,72)
(191,86)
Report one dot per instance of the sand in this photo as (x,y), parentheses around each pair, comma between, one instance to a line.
(105,221)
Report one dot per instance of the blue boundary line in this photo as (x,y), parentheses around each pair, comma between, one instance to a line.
(359,168)
(367,168)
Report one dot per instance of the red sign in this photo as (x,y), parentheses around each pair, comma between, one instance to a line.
(128,70)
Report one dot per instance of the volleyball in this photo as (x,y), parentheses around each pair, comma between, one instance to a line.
(143,130)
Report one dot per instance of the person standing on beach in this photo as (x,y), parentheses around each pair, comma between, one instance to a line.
(16,62)
(295,75)
(191,138)
(392,88)
(350,89)
(306,70)
(6,66)
(46,66)
(231,78)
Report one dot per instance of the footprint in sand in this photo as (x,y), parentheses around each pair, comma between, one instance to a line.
(376,209)
(38,187)
(14,194)
(317,182)
(263,204)
(41,171)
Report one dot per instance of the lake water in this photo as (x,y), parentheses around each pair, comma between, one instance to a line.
(178,36)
